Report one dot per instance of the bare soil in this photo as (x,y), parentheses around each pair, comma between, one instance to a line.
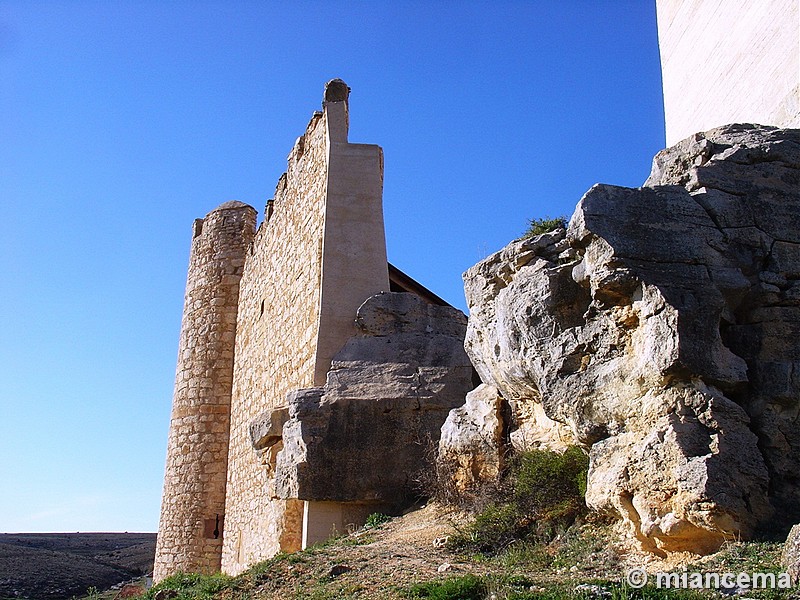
(374,563)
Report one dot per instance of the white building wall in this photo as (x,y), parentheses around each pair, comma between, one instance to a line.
(729,61)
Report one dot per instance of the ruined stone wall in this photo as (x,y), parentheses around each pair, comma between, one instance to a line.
(265,313)
(193,502)
(275,346)
(729,62)
(319,254)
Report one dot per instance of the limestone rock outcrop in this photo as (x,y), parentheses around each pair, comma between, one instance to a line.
(365,436)
(790,558)
(662,327)
(471,449)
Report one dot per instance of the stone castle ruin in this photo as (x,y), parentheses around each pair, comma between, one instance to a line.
(659,331)
(312,375)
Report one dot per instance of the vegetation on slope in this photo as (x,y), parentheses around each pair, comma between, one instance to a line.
(544,547)
(581,564)
(539,497)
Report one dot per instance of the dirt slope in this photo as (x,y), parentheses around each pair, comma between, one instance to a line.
(369,563)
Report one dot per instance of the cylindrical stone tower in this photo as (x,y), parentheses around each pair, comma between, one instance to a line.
(193,502)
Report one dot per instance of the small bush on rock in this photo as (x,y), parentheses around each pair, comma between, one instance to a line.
(543,494)
(545,225)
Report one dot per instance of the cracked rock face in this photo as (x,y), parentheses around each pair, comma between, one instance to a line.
(369,432)
(663,328)
(471,446)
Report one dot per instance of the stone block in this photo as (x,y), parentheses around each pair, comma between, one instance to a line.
(369,432)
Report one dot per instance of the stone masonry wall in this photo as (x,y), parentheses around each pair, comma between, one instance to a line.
(275,347)
(193,504)
(265,313)
(319,255)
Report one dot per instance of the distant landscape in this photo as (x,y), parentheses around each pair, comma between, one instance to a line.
(56,566)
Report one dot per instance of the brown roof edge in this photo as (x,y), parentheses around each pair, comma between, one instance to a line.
(400,282)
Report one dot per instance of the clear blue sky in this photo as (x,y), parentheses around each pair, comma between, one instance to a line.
(121,122)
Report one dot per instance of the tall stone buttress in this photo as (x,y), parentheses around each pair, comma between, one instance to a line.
(317,256)
(193,503)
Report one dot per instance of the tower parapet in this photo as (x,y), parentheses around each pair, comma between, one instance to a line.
(193,503)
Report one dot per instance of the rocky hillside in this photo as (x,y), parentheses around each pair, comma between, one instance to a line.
(410,557)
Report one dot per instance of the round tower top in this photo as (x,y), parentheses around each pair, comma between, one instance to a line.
(231,204)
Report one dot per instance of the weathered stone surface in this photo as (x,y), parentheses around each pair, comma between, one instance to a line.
(267,429)
(367,433)
(195,478)
(662,328)
(472,448)
(790,559)
(531,429)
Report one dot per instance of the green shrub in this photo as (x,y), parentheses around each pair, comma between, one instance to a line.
(466,587)
(376,520)
(193,586)
(551,484)
(545,225)
(542,495)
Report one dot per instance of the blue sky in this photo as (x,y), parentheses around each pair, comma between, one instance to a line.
(121,122)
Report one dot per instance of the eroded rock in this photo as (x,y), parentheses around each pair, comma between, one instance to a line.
(366,435)
(472,448)
(790,558)
(266,429)
(662,328)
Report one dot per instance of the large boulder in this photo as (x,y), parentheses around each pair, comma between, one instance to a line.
(790,558)
(478,437)
(370,432)
(662,327)
(472,446)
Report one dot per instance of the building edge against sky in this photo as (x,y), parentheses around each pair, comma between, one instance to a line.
(726,61)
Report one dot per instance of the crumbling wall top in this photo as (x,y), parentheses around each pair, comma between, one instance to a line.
(336,90)
(232,204)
